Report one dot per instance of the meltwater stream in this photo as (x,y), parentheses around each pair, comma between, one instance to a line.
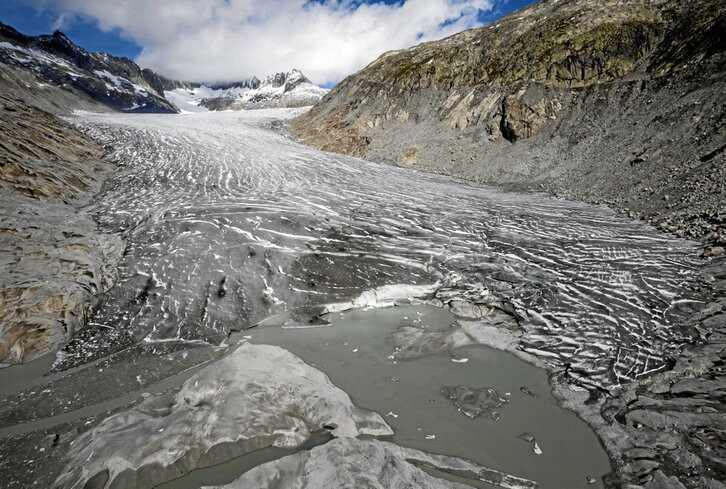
(228,221)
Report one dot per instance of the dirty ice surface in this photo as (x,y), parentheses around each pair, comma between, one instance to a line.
(228,220)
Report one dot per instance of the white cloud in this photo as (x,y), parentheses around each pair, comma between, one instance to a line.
(231,39)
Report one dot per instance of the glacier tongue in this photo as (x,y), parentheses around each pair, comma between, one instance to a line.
(228,221)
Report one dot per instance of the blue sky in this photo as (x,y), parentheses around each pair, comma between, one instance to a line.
(30,20)
(227,39)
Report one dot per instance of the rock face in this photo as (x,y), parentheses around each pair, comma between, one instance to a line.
(291,89)
(615,101)
(117,83)
(369,464)
(258,396)
(53,260)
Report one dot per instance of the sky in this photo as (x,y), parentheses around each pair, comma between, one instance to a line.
(228,40)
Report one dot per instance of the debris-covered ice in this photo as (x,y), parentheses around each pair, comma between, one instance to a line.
(237,222)
(256,397)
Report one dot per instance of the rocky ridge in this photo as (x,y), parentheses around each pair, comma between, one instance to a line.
(100,81)
(115,82)
(53,259)
(615,102)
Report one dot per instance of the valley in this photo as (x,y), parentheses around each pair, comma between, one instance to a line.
(492,257)
(228,224)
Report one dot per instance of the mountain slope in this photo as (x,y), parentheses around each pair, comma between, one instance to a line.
(54,258)
(117,83)
(608,101)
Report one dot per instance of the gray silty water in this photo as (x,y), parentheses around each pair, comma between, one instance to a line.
(355,352)
(229,221)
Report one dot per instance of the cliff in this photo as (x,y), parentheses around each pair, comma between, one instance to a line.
(53,257)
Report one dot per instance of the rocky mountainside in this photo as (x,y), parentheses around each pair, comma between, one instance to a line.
(54,60)
(53,259)
(98,80)
(615,101)
(292,89)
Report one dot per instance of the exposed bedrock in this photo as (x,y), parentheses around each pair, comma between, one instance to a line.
(618,102)
(368,464)
(53,259)
(256,397)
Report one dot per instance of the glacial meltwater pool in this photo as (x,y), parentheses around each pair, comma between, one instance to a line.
(355,350)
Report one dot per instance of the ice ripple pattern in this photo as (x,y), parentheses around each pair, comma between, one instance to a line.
(227,220)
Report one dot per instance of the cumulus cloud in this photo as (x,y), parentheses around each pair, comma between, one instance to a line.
(224,40)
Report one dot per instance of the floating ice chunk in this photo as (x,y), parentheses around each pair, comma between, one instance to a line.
(384,296)
(528,437)
(430,437)
(537,449)
(459,360)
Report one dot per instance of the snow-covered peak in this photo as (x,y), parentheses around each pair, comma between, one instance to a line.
(289,80)
(291,89)
(53,59)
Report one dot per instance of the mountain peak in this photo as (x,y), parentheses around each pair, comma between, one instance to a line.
(58,35)
(284,89)
(289,80)
(55,60)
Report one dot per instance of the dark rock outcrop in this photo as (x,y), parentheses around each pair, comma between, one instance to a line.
(115,82)
(616,102)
